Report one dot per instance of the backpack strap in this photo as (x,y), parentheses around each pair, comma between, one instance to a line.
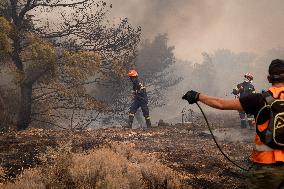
(267,95)
(280,94)
(268,100)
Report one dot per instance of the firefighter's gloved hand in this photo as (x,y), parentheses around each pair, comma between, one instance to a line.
(235,92)
(191,96)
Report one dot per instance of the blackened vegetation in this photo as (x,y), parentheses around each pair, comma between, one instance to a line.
(183,148)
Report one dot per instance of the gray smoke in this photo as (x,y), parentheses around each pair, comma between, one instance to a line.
(195,26)
(246,28)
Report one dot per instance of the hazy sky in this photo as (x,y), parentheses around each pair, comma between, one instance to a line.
(195,26)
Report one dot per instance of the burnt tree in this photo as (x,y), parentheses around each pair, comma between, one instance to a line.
(80,29)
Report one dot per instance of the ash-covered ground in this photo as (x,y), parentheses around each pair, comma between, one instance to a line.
(188,149)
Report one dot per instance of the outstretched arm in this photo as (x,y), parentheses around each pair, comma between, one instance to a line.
(221,103)
(215,102)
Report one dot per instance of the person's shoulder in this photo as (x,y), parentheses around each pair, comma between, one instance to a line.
(256,95)
(252,103)
(240,84)
(252,98)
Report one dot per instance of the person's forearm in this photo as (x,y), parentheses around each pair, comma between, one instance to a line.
(221,103)
(211,101)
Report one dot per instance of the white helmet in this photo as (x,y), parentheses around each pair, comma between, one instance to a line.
(248,76)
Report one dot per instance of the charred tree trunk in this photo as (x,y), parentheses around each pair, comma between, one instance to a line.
(24,117)
(24,113)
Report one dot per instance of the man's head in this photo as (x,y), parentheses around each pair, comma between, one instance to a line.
(248,77)
(133,75)
(276,71)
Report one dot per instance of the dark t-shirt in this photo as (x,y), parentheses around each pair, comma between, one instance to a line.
(252,104)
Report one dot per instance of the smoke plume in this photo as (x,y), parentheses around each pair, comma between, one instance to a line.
(196,26)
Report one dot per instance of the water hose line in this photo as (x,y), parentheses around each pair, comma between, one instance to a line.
(218,146)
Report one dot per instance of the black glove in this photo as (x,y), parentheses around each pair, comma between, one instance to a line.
(191,96)
(235,92)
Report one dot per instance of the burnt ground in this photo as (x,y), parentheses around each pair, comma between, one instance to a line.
(188,149)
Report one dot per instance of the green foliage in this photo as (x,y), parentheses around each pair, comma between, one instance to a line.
(53,61)
(65,91)
(5,32)
(38,51)
(81,65)
(40,59)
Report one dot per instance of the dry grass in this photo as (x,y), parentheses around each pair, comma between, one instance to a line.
(114,166)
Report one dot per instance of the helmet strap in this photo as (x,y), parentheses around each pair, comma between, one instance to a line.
(247,80)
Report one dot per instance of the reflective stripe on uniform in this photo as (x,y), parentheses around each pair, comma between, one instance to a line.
(147,117)
(261,148)
(141,86)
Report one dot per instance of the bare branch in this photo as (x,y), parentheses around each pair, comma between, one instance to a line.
(26,8)
(61,4)
(48,122)
(76,85)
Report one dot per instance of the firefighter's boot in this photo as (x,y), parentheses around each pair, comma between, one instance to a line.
(148,122)
(130,121)
(251,124)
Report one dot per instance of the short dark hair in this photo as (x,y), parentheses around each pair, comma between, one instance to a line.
(276,71)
